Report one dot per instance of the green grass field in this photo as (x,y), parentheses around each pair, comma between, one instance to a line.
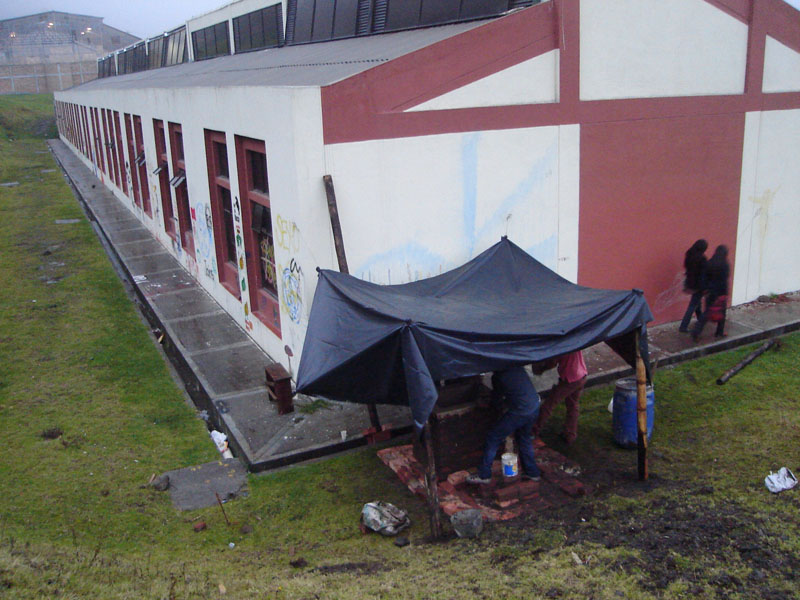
(88,411)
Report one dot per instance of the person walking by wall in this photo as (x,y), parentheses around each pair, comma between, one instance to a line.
(572,374)
(694,262)
(717,275)
(522,401)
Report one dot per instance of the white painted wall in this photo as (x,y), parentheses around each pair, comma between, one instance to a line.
(414,207)
(781,68)
(289,121)
(534,81)
(652,48)
(767,260)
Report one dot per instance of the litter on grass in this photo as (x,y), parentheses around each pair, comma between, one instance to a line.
(221,441)
(784,479)
(384,518)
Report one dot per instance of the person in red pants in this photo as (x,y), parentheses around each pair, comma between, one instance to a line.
(571,379)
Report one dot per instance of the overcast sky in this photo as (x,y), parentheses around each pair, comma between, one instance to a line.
(143,18)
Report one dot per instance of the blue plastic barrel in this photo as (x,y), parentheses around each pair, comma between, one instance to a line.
(624,422)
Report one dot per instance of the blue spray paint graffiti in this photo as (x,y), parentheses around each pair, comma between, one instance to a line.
(425,262)
(399,260)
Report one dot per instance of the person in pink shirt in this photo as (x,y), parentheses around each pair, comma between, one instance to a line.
(571,379)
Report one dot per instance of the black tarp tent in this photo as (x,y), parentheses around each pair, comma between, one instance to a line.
(390,344)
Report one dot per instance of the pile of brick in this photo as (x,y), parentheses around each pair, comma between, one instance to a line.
(503,498)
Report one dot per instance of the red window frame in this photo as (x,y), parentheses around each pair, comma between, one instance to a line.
(139,163)
(75,135)
(98,140)
(137,199)
(263,300)
(71,125)
(120,155)
(108,144)
(219,186)
(87,136)
(163,178)
(180,189)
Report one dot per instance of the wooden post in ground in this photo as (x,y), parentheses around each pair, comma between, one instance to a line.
(641,409)
(432,484)
(338,242)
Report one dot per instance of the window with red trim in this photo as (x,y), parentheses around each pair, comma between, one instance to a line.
(251,161)
(178,184)
(162,171)
(109,144)
(140,164)
(219,187)
(98,141)
(122,178)
(137,198)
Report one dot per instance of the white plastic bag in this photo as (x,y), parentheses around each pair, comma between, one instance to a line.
(221,441)
(384,518)
(784,479)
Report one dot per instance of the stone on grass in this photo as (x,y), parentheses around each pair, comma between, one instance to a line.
(467,523)
(160,483)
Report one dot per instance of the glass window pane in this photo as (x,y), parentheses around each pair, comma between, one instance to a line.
(221,155)
(221,34)
(257,28)
(258,169)
(262,228)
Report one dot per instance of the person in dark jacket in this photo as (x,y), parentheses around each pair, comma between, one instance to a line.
(522,402)
(717,273)
(694,262)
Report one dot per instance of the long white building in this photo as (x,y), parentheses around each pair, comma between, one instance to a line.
(603,136)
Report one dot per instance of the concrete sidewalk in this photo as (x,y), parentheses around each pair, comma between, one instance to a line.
(223,369)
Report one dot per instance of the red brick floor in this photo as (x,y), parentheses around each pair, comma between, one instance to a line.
(500,500)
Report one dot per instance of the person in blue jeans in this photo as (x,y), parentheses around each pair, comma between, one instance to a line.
(522,403)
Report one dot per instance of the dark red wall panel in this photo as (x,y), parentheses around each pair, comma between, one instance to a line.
(649,189)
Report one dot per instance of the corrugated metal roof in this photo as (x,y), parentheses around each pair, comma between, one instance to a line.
(290,66)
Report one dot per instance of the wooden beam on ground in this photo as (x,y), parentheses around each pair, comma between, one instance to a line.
(745,361)
(641,410)
(431,484)
(338,242)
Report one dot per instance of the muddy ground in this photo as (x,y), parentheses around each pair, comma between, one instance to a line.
(676,533)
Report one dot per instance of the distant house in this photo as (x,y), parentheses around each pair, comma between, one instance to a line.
(603,136)
(54,50)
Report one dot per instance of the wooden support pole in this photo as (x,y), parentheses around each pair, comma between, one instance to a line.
(338,243)
(641,410)
(333,211)
(432,485)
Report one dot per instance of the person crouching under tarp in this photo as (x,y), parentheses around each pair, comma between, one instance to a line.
(522,401)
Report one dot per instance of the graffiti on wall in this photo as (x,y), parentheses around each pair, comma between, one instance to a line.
(672,295)
(240,262)
(413,261)
(292,291)
(287,238)
(287,235)
(205,252)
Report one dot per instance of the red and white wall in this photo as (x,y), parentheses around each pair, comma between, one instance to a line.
(602,136)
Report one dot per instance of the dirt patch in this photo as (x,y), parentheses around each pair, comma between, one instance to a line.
(692,537)
(52,434)
(359,568)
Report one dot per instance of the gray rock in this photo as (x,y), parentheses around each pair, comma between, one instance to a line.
(160,483)
(467,523)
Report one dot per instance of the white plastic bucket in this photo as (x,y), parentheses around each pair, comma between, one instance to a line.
(510,464)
